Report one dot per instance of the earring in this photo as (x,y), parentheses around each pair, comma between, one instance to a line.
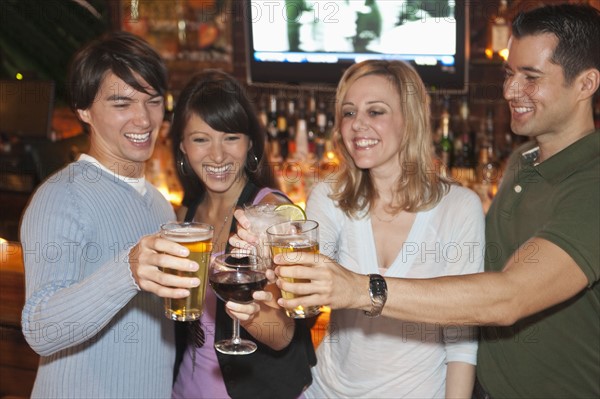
(249,161)
(182,166)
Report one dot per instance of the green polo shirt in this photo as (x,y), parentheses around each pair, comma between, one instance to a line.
(555,353)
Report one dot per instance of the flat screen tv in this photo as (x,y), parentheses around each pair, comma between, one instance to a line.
(313,42)
(26,108)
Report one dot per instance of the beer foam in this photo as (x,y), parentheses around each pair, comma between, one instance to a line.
(189,234)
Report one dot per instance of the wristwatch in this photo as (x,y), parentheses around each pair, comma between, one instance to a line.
(378,294)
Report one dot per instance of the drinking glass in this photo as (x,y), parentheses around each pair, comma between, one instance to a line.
(197,237)
(235,278)
(261,217)
(291,237)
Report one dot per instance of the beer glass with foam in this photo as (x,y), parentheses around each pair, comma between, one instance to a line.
(197,237)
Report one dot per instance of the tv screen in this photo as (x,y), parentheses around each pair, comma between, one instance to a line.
(313,42)
(26,107)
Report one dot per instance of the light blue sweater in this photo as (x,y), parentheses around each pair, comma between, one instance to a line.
(98,335)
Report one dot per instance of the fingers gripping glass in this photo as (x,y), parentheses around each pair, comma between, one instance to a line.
(235,278)
(291,238)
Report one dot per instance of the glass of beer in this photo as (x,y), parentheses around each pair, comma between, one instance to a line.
(290,238)
(197,237)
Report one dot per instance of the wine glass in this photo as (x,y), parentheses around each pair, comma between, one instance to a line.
(234,277)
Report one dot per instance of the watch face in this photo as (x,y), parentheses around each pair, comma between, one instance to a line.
(378,285)
(378,293)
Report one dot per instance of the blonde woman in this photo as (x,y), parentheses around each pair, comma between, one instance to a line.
(389,215)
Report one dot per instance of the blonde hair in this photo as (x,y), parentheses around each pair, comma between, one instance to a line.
(419,186)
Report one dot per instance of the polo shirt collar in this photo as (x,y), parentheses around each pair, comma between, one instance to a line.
(567,161)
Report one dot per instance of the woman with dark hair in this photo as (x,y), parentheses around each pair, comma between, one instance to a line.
(218,146)
(221,103)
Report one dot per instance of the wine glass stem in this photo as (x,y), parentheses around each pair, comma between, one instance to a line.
(236,332)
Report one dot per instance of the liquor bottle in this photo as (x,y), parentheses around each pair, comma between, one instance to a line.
(301,136)
(291,117)
(282,130)
(446,142)
(490,173)
(489,167)
(274,151)
(467,137)
(489,132)
(498,33)
(321,131)
(312,123)
(329,159)
(262,112)
(457,150)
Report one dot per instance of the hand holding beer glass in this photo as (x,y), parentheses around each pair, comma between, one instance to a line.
(292,237)
(197,237)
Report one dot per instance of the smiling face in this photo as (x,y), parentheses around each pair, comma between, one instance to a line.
(124,125)
(217,158)
(372,124)
(542,105)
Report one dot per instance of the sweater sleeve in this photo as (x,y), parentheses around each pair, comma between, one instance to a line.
(468,238)
(72,283)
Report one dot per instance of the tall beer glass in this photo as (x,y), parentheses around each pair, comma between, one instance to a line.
(197,237)
(290,237)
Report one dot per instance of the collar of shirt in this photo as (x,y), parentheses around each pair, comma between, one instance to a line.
(139,184)
(567,161)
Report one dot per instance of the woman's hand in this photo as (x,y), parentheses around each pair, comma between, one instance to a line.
(151,254)
(247,311)
(244,241)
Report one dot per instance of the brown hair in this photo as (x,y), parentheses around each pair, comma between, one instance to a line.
(121,53)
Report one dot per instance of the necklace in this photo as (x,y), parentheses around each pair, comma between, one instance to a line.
(383,220)
(394,215)
(225,221)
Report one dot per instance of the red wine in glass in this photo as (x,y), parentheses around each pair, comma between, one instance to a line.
(235,278)
(237,286)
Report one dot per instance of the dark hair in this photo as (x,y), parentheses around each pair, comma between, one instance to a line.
(222,103)
(577,28)
(121,53)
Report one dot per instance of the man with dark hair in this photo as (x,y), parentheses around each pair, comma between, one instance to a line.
(86,313)
(539,297)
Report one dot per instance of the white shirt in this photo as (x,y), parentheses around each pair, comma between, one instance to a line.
(382,357)
(139,184)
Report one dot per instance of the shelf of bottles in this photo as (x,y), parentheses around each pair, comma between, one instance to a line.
(465,145)
(299,129)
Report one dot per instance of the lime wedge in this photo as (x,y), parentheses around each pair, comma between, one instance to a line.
(291,212)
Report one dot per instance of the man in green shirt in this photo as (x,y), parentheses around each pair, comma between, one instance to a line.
(540,295)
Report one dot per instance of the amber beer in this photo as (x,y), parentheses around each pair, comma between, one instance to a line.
(197,237)
(290,239)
